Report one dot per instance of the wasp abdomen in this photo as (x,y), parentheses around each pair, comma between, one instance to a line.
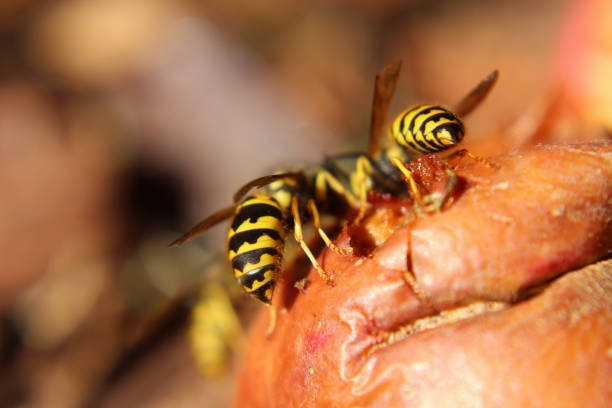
(427,129)
(255,245)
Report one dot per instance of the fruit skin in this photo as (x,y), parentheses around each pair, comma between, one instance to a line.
(545,211)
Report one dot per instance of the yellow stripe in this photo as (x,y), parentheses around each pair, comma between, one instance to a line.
(266,222)
(268,275)
(263,242)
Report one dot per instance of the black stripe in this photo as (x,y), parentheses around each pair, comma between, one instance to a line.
(411,126)
(256,275)
(251,257)
(402,125)
(254,212)
(260,293)
(251,236)
(434,118)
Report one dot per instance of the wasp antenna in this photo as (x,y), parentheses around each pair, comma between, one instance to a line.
(262,181)
(205,224)
(476,95)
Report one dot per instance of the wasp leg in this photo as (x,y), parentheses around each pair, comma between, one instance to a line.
(312,207)
(409,178)
(434,203)
(325,179)
(359,182)
(459,154)
(297,232)
(272,321)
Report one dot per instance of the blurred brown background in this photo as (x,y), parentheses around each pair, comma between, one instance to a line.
(123,122)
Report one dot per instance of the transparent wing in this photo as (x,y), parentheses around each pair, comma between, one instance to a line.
(205,224)
(384,87)
(476,96)
(262,181)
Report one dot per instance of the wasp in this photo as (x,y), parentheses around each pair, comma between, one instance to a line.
(257,235)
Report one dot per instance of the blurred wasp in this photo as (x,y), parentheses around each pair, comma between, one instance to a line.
(256,238)
(214,330)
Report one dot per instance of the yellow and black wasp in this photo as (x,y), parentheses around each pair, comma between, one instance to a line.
(256,238)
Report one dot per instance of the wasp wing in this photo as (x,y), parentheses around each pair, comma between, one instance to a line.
(384,87)
(205,224)
(262,181)
(477,95)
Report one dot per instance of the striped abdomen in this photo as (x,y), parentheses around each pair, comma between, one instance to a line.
(427,129)
(256,241)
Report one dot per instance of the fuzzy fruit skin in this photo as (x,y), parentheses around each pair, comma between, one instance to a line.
(547,210)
